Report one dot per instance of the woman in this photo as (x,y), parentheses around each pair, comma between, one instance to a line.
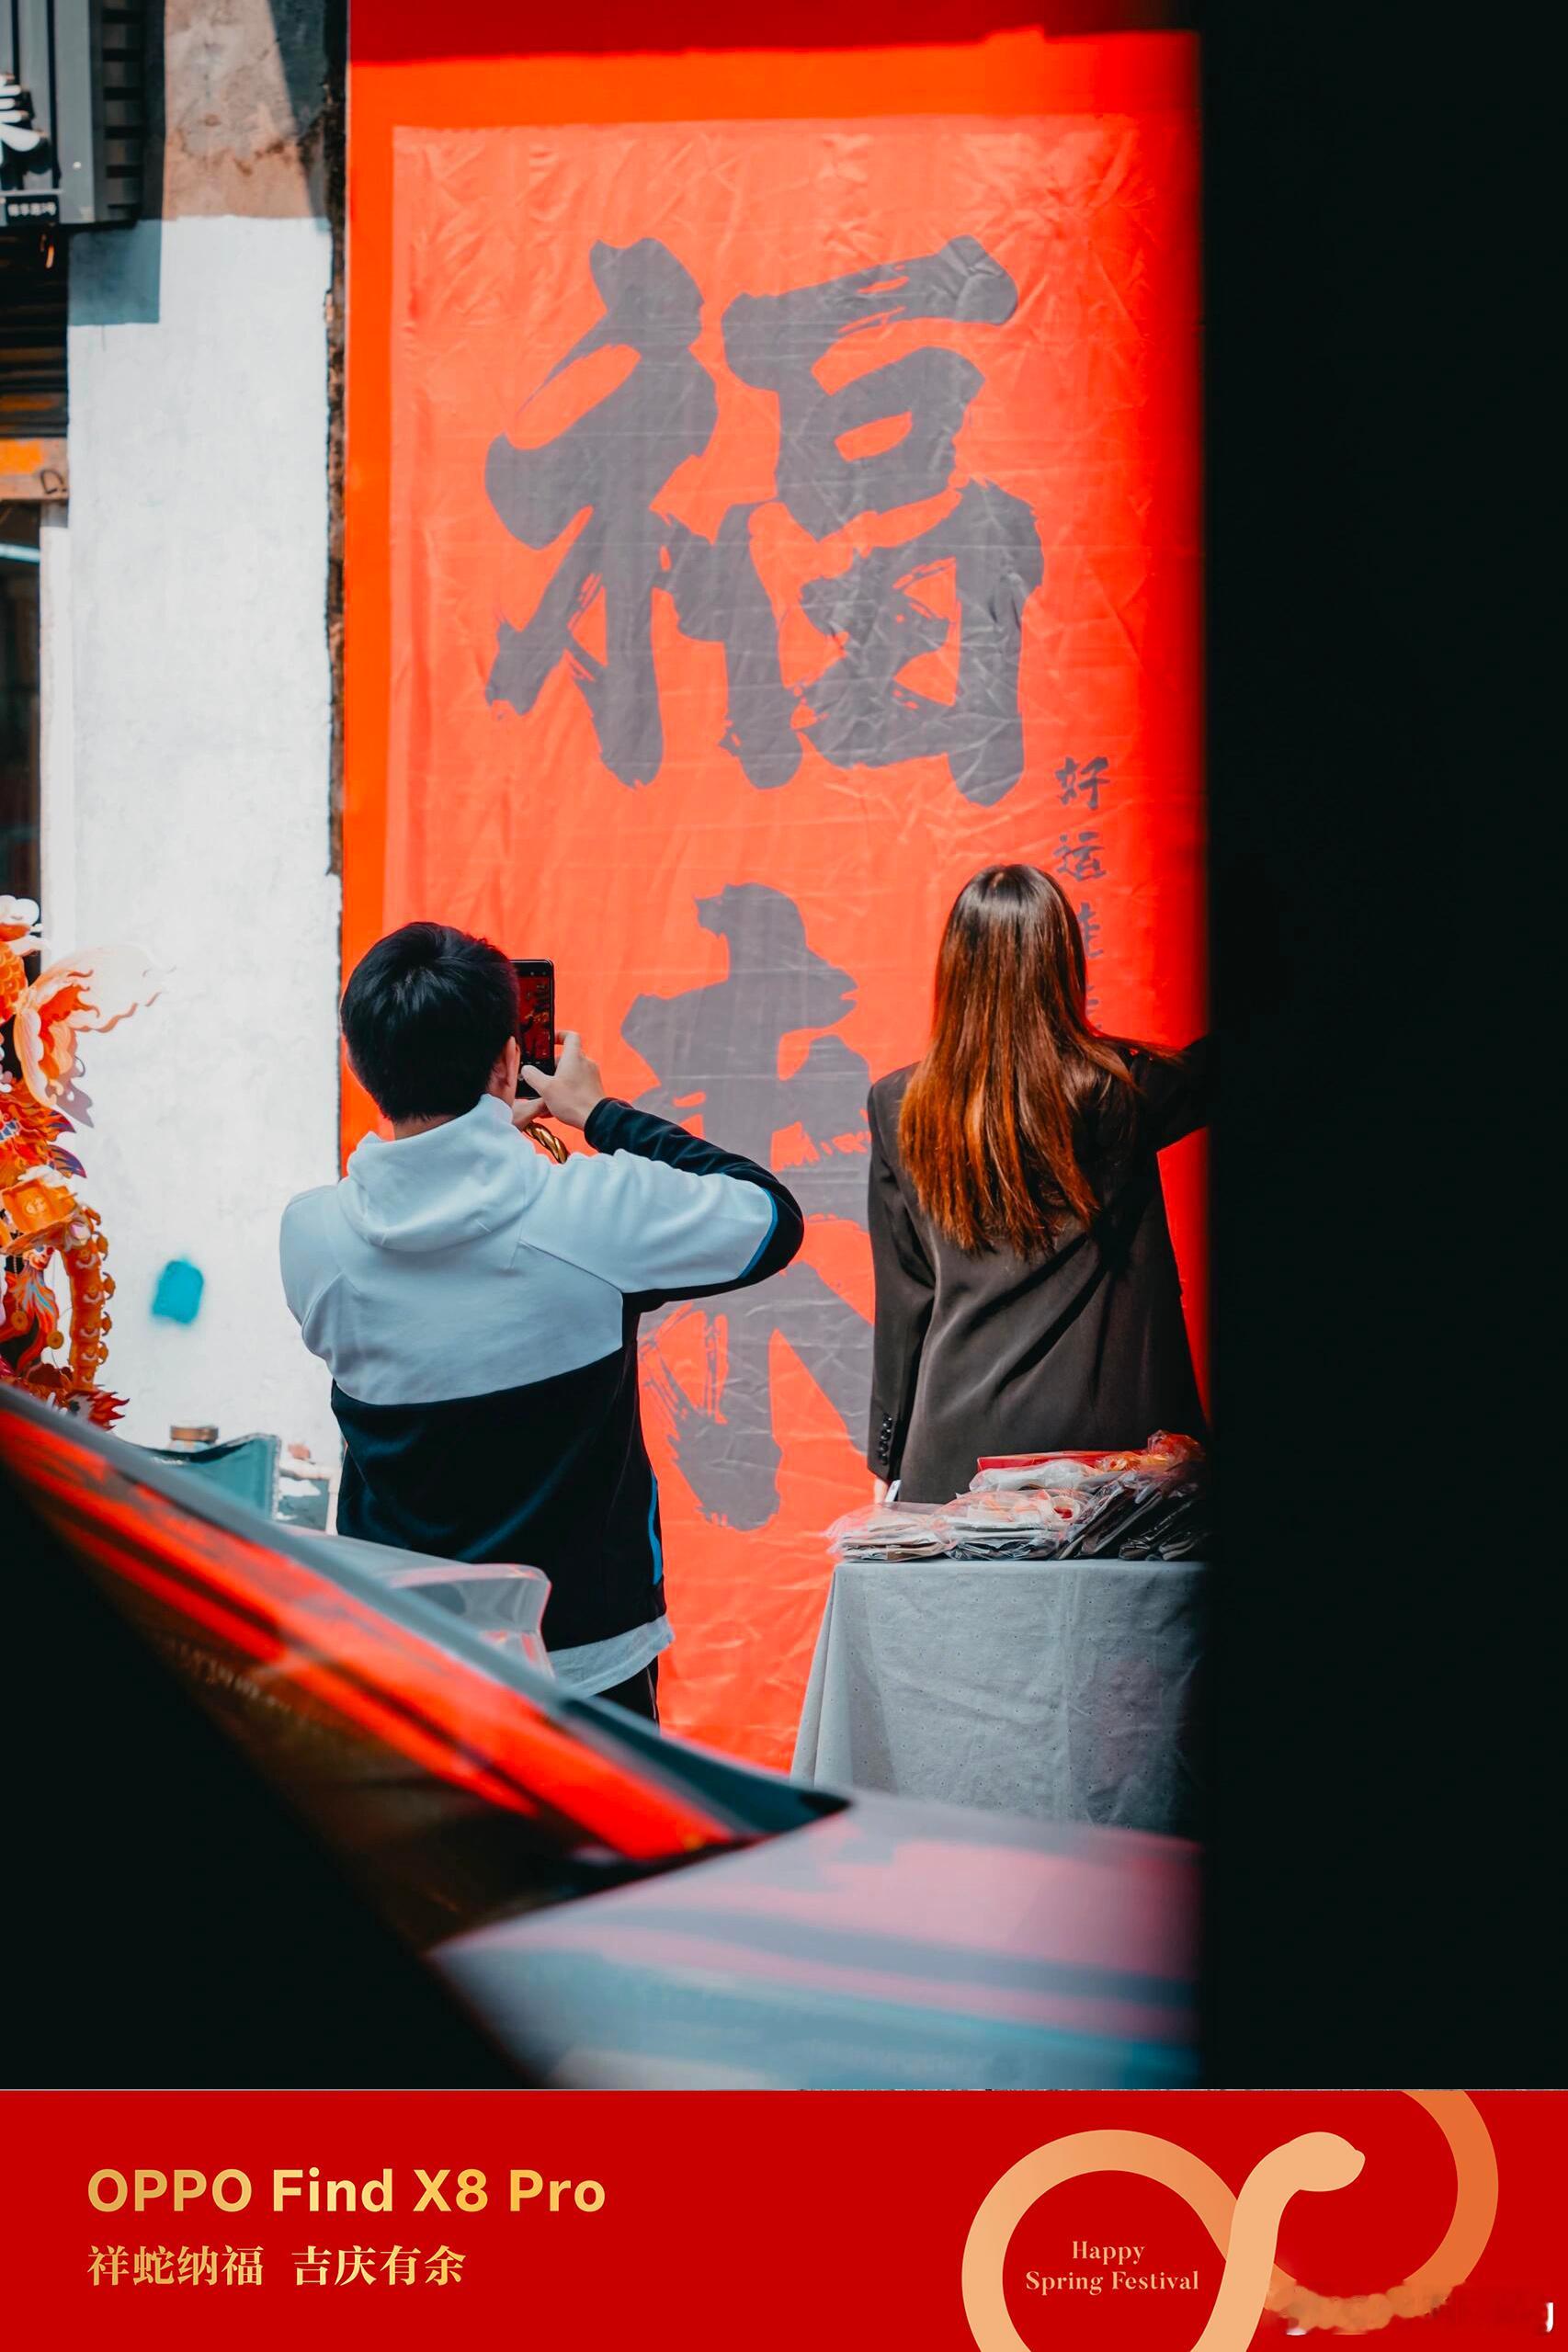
(1028,1296)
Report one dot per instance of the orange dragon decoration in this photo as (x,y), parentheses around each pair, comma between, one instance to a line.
(42,1219)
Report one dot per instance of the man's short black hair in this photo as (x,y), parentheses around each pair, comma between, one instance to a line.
(426,1018)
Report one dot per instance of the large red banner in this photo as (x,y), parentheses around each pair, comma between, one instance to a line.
(783,519)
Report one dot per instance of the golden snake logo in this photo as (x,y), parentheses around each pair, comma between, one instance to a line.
(1245,2227)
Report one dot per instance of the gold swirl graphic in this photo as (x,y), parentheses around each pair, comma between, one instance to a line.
(1245,2227)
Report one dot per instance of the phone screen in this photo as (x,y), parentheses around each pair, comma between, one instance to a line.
(536,1015)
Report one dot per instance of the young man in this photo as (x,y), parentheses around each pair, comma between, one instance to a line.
(477,1303)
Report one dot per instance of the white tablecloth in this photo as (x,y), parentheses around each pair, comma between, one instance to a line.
(1064,1691)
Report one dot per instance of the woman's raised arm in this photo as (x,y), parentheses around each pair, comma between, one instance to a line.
(905,1290)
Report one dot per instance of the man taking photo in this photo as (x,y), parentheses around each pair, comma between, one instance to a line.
(477,1303)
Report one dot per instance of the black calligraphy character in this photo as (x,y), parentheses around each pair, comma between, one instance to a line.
(961,584)
(612,461)
(717,1051)
(973,572)
(1083,783)
(719,598)
(1080,859)
(1089,925)
(775,341)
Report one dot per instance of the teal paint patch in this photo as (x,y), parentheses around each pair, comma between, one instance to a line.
(178,1295)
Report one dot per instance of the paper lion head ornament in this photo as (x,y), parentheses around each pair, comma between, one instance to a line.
(47,1231)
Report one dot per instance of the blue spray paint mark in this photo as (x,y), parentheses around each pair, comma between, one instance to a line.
(178,1295)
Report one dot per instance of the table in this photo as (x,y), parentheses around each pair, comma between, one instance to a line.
(1061,1690)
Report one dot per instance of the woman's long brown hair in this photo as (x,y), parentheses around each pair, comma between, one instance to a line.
(1016,1089)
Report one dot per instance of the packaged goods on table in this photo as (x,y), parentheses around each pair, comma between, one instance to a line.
(1144,1504)
(890,1531)
(1033,1526)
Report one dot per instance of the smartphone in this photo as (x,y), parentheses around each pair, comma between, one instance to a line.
(536,1017)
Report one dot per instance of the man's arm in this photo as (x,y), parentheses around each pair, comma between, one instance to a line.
(724,1203)
(662,1213)
(304,1265)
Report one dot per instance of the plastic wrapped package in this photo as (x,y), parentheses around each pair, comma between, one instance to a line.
(1028,1525)
(892,1531)
(1188,1533)
(1059,1474)
(974,1527)
(1003,1471)
(501,1604)
(1134,1532)
(1105,1509)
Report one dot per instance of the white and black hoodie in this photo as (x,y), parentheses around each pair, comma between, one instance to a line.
(477,1307)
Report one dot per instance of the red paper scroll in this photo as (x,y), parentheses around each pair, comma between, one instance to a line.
(785,519)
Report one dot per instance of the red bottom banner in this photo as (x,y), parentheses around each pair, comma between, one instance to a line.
(1083,2222)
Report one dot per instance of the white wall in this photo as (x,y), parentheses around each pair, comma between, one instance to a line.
(196,818)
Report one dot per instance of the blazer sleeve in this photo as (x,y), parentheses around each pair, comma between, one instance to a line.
(1177,1091)
(906,1287)
(666,1215)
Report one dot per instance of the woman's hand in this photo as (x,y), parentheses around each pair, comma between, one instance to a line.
(572,1095)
